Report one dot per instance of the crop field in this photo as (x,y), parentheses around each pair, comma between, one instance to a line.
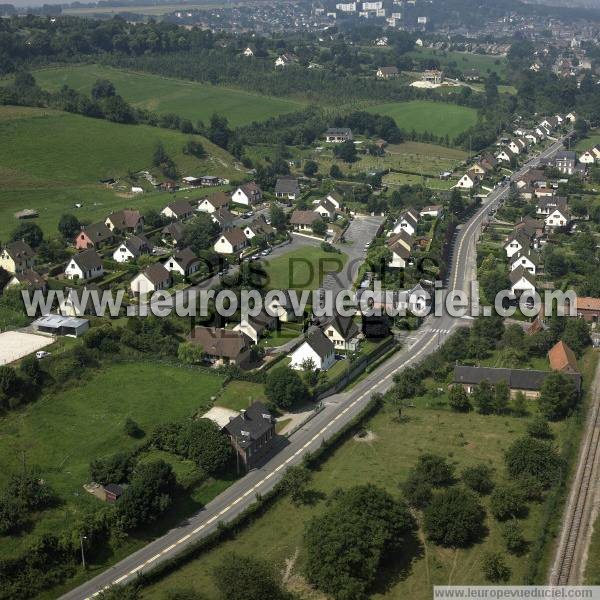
(439,118)
(60,434)
(192,100)
(50,161)
(464,61)
(463,439)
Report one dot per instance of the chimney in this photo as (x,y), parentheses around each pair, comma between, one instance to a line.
(243,413)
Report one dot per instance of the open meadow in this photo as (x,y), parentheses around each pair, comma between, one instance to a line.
(464,61)
(188,99)
(50,161)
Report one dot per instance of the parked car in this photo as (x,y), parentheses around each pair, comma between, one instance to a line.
(41,354)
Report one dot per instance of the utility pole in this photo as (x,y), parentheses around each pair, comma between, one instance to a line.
(81,538)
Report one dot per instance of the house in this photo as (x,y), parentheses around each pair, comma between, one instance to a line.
(287,188)
(85,265)
(532,228)
(515,147)
(303,220)
(433,76)
(255,327)
(224,218)
(184,262)
(521,281)
(336,198)
(215,202)
(221,346)
(316,348)
(280,305)
(258,226)
(548,204)
(338,135)
(532,178)
(28,279)
(435,210)
(559,217)
(387,72)
(59,325)
(210,180)
(565,162)
(231,241)
(252,434)
(343,333)
(562,358)
(326,209)
(17,257)
(125,221)
(153,279)
(571,117)
(488,163)
(543,192)
(524,259)
(79,302)
(588,308)
(400,246)
(407,221)
(472,75)
(587,158)
(192,181)
(248,52)
(112,492)
(173,233)
(516,242)
(505,155)
(132,248)
(247,194)
(284,60)
(179,210)
(93,236)
(468,181)
(527,381)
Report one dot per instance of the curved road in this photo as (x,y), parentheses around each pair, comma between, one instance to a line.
(338,411)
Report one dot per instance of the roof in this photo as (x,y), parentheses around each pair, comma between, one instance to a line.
(287,185)
(30,278)
(54,321)
(234,236)
(175,230)
(319,342)
(180,208)
(127,217)
(518,236)
(19,250)
(97,232)
(304,217)
(339,131)
(260,321)
(521,272)
(113,488)
(87,260)
(565,155)
(185,257)
(252,424)
(136,244)
(345,326)
(524,254)
(389,70)
(409,216)
(529,226)
(251,188)
(327,205)
(552,202)
(260,226)
(219,199)
(220,342)
(402,235)
(223,216)
(588,303)
(519,379)
(156,273)
(562,358)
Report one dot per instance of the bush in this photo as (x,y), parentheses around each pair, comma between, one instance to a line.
(507,501)
(284,387)
(454,518)
(478,478)
(494,567)
(539,428)
(459,399)
(112,469)
(202,442)
(539,459)
(558,396)
(132,429)
(512,534)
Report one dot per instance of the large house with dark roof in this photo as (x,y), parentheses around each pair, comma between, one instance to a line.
(181,209)
(222,346)
(184,262)
(17,257)
(303,220)
(152,279)
(127,220)
(343,333)
(247,194)
(287,188)
(85,265)
(252,434)
(318,348)
(93,236)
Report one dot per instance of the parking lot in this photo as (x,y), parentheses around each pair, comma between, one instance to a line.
(15,345)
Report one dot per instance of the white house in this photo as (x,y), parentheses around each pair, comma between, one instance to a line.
(255,327)
(505,155)
(85,265)
(214,203)
(336,199)
(316,348)
(343,333)
(515,243)
(231,241)
(338,135)
(326,209)
(152,279)
(587,158)
(521,281)
(514,147)
(407,221)
(258,226)
(559,217)
(434,210)
(280,304)
(247,194)
(131,249)
(400,246)
(525,260)
(184,262)
(248,52)
(178,210)
(467,181)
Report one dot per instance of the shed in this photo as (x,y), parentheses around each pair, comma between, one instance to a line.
(59,325)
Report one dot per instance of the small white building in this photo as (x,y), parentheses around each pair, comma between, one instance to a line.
(247,194)
(153,279)
(467,181)
(523,259)
(84,266)
(231,241)
(521,281)
(558,218)
(316,348)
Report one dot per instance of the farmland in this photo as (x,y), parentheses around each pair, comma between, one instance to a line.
(463,61)
(194,101)
(61,433)
(428,427)
(49,161)
(439,118)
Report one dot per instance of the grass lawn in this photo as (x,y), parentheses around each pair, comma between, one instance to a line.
(464,439)
(240,394)
(302,269)
(591,140)
(51,160)
(61,433)
(592,568)
(439,118)
(192,100)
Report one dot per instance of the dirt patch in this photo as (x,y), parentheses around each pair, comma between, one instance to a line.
(296,583)
(365,436)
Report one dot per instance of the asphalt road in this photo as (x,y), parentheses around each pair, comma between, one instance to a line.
(338,411)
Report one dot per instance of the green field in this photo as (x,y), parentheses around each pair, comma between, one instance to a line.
(591,140)
(439,118)
(61,433)
(464,61)
(302,269)
(464,439)
(51,160)
(195,101)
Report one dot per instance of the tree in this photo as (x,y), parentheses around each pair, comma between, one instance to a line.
(483,396)
(558,396)
(346,544)
(194,148)
(456,206)
(201,441)
(539,428)
(218,131)
(200,232)
(346,151)
(284,387)
(148,494)
(278,218)
(454,518)
(319,227)
(501,397)
(336,172)
(69,226)
(311,168)
(30,233)
(190,353)
(576,335)
(9,383)
(112,469)
(435,470)
(512,534)
(102,89)
(528,456)
(118,111)
(132,429)
(494,567)
(459,399)
(478,478)
(30,370)
(507,502)
(519,404)
(294,483)
(240,577)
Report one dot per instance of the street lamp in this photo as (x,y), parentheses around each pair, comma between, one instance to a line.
(81,538)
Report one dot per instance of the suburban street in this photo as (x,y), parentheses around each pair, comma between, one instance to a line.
(338,409)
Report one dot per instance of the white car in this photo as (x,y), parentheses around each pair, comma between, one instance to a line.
(41,354)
